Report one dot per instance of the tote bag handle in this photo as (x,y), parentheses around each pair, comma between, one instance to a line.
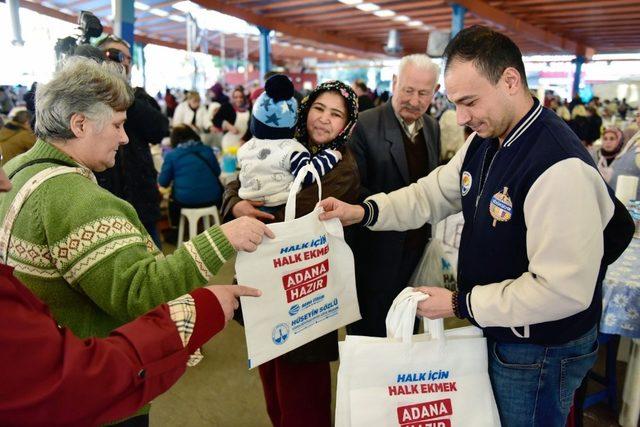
(290,209)
(402,314)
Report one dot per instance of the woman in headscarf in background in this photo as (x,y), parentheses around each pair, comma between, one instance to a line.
(297,385)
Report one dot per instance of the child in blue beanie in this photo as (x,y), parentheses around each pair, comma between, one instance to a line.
(270,161)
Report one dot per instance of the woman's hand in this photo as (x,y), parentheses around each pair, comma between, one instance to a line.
(248,208)
(228,297)
(334,208)
(245,234)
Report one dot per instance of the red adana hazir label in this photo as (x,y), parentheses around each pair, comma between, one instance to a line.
(424,414)
(301,283)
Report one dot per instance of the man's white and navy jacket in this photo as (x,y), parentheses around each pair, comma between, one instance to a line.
(531,264)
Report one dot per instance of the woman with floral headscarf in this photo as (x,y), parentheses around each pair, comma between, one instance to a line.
(297,385)
(612,143)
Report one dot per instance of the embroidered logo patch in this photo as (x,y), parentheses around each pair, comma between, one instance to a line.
(501,206)
(466,183)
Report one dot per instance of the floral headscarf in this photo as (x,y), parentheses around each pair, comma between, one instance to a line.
(351,101)
(610,155)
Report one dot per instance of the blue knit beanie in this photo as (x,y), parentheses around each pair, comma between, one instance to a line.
(274,113)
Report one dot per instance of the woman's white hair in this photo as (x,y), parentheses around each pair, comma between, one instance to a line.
(80,86)
(421,62)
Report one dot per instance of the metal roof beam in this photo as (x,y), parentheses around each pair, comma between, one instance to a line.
(290,29)
(524,29)
(603,6)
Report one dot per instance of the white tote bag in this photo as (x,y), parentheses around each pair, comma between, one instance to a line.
(307,278)
(436,379)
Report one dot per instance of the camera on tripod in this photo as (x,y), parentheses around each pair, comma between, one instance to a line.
(89,25)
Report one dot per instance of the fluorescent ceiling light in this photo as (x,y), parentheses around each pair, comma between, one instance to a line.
(216,21)
(159,12)
(616,56)
(65,10)
(297,46)
(368,7)
(414,23)
(186,7)
(350,2)
(321,51)
(141,6)
(384,13)
(285,44)
(402,18)
(278,34)
(177,18)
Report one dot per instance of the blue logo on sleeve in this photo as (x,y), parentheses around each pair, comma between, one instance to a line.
(280,333)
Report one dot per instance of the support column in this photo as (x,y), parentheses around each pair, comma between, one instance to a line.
(265,52)
(14,10)
(223,55)
(246,59)
(457,19)
(143,63)
(578,60)
(123,19)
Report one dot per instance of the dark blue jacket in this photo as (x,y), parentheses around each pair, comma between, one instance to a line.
(194,181)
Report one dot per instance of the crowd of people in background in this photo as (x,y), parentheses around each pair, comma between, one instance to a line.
(167,157)
(219,120)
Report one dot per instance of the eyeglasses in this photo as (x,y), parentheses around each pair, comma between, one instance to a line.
(117,55)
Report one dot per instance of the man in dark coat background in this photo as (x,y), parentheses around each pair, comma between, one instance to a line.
(134,177)
(395,144)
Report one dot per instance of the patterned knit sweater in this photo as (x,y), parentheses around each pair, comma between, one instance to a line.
(86,254)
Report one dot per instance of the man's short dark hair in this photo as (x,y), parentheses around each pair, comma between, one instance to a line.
(490,51)
(183,133)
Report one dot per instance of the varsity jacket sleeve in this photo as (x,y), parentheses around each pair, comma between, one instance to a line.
(100,248)
(51,376)
(431,199)
(322,162)
(566,211)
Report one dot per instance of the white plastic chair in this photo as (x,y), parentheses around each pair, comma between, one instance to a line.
(193,215)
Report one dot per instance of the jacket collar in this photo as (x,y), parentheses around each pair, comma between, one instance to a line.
(524,123)
(393,134)
(42,149)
